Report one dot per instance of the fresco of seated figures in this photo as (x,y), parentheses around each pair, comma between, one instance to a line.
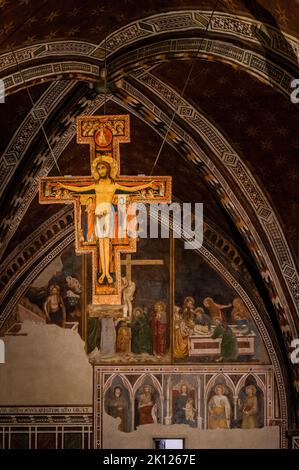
(201,400)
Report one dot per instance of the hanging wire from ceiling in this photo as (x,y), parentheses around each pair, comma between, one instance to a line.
(184,87)
(101,84)
(105,68)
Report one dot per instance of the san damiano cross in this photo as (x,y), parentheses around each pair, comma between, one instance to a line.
(101,202)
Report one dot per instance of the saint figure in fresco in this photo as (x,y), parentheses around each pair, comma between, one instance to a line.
(229,344)
(141,333)
(202,322)
(250,408)
(123,340)
(219,409)
(190,411)
(159,329)
(181,334)
(54,306)
(118,407)
(215,310)
(187,310)
(147,407)
(128,291)
(240,315)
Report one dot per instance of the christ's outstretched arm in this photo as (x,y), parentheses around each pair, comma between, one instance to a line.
(77,189)
(132,189)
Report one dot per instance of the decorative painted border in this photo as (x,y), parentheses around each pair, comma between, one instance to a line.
(54,70)
(295,442)
(32,238)
(14,411)
(184,20)
(252,62)
(38,420)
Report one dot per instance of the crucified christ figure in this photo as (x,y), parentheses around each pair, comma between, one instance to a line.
(105,187)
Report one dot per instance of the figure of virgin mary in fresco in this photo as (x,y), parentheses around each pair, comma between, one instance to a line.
(184,411)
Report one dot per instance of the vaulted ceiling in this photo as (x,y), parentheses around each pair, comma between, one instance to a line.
(212,78)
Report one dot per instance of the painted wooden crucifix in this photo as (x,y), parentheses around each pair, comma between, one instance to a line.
(101,201)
